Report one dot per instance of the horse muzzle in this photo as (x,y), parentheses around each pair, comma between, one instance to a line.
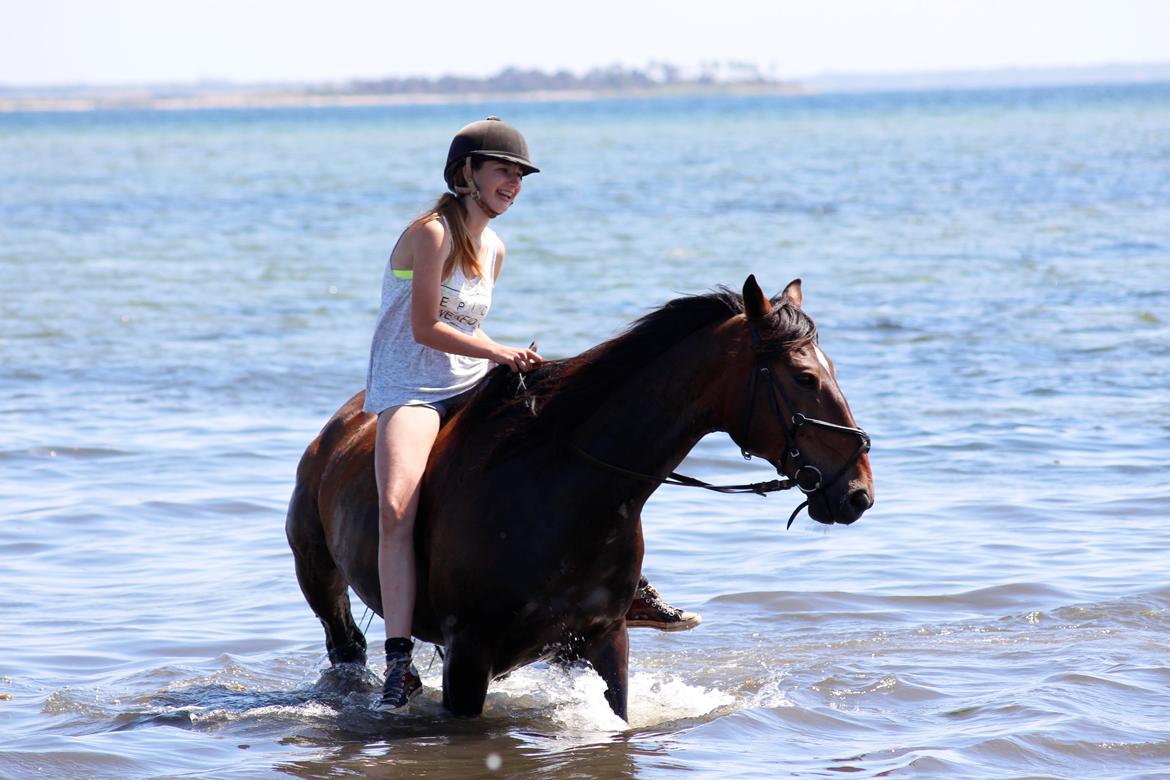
(842,507)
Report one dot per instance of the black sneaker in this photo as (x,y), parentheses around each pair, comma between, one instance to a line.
(402,681)
(650,610)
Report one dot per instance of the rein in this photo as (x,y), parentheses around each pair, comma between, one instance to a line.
(673,478)
(682,480)
(807,477)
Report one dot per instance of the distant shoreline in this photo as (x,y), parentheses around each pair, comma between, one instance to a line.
(139,101)
(535,86)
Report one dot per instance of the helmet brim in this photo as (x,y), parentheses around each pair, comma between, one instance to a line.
(524,164)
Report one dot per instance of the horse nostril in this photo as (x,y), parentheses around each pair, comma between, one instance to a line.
(860,500)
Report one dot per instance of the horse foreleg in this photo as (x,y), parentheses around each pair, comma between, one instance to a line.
(321,581)
(466,674)
(610,656)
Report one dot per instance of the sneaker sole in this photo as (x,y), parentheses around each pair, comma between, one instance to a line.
(688,621)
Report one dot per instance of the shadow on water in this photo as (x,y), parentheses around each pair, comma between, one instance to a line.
(491,752)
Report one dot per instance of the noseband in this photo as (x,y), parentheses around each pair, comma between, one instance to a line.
(807,477)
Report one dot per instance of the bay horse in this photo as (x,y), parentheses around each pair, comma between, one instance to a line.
(528,537)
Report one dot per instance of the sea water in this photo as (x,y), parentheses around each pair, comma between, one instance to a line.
(186,296)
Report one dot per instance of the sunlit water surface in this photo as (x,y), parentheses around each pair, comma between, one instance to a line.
(188,295)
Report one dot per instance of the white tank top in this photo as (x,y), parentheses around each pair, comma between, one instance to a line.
(402,371)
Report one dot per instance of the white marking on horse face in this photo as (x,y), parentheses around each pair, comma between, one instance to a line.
(824,361)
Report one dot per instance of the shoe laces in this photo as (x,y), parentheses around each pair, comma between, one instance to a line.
(398,671)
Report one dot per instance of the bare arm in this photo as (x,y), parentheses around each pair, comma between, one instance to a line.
(429,245)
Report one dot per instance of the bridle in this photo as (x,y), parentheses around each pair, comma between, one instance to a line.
(806,477)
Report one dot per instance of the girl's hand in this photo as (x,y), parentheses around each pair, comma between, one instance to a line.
(517,359)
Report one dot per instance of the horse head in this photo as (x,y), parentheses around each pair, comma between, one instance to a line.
(783,404)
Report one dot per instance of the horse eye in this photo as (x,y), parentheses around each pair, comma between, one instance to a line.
(806,380)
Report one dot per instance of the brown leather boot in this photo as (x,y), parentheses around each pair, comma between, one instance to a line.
(650,610)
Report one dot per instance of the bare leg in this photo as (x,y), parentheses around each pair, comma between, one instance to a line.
(404,439)
(405,435)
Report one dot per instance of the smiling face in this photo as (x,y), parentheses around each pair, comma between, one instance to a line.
(498,182)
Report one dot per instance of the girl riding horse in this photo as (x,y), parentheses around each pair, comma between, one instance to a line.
(429,350)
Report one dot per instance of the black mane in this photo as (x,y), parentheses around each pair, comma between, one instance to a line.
(562,393)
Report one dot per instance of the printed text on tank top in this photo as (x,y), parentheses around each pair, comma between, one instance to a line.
(463,303)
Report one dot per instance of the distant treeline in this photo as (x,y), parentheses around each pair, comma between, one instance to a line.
(609,78)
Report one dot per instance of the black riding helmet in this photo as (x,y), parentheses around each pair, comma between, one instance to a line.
(491,137)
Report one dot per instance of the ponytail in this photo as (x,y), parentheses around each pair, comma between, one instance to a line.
(463,252)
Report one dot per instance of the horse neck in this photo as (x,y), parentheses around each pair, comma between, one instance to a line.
(658,415)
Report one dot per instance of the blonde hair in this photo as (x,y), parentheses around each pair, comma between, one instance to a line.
(463,251)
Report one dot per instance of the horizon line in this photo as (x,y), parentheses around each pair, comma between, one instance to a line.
(692,74)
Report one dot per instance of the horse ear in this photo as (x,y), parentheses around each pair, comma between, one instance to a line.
(755,304)
(792,293)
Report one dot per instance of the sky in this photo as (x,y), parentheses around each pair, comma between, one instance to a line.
(100,42)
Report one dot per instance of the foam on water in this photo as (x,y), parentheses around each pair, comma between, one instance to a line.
(573,699)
